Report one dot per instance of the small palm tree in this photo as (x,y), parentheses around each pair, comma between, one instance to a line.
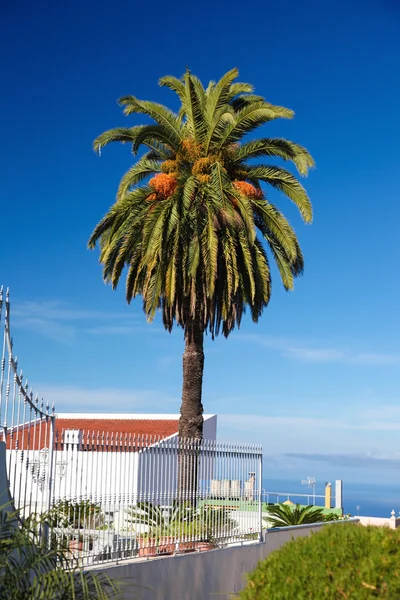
(192,221)
(282,515)
(185,520)
(216,522)
(78,515)
(31,568)
(153,516)
(145,513)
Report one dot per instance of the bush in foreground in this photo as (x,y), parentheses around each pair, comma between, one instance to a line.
(340,561)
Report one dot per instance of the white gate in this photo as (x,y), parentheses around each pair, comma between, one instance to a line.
(26,429)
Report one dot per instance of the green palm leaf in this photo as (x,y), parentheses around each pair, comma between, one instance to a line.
(276,147)
(283,515)
(30,567)
(287,183)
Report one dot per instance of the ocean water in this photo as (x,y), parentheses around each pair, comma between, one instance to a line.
(366,499)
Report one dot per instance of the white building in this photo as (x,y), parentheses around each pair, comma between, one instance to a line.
(113,460)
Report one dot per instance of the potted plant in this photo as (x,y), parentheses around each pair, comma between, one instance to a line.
(147,545)
(163,533)
(76,516)
(75,544)
(214,523)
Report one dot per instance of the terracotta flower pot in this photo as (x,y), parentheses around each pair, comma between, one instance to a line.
(147,547)
(154,547)
(166,545)
(204,546)
(75,546)
(187,546)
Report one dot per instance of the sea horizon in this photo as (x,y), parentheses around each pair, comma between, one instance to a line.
(364,499)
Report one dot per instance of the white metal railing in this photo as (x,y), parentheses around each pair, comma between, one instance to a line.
(309,499)
(120,496)
(26,427)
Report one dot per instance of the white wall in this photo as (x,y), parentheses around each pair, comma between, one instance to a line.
(105,477)
(210,427)
(390,522)
(199,576)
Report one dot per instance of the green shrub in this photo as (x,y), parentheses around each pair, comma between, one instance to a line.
(346,561)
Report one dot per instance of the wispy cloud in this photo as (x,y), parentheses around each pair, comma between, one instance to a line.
(354,420)
(63,333)
(307,352)
(311,438)
(122,330)
(366,461)
(165,362)
(62,322)
(250,422)
(374,358)
(108,400)
(60,311)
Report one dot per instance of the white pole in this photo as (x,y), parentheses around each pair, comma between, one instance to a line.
(339,494)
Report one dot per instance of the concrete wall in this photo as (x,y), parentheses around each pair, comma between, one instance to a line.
(390,522)
(199,576)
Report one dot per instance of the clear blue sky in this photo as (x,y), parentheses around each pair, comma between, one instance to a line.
(319,375)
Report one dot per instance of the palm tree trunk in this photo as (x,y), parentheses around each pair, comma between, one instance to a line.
(191,419)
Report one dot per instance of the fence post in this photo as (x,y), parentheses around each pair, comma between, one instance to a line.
(46,531)
(51,460)
(260,471)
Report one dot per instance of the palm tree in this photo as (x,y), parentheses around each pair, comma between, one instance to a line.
(192,221)
(153,516)
(282,515)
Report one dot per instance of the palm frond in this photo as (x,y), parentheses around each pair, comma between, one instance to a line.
(162,115)
(218,95)
(250,117)
(279,147)
(30,567)
(156,137)
(137,173)
(239,88)
(282,515)
(174,84)
(287,183)
(193,107)
(118,134)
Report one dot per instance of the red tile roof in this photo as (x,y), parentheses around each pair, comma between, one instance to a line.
(135,427)
(129,434)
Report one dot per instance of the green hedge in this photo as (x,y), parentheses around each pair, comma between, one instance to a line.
(343,561)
